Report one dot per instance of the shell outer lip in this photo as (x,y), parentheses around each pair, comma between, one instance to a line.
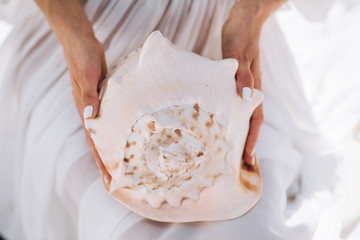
(166,219)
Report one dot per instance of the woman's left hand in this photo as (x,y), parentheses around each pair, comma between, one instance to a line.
(240,40)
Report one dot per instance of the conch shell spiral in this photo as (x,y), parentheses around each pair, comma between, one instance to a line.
(171,131)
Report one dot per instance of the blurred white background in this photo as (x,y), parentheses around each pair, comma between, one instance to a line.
(4,31)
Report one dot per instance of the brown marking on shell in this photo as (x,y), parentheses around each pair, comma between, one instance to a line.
(132,156)
(216,137)
(200,154)
(209,124)
(129,173)
(168,136)
(126,160)
(178,132)
(196,107)
(91,130)
(151,126)
(156,187)
(196,112)
(192,128)
(250,169)
(127,144)
(188,178)
(164,157)
(180,111)
(132,129)
(248,185)
(195,115)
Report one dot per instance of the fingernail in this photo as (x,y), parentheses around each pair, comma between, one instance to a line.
(106,180)
(252,152)
(88,111)
(246,93)
(253,161)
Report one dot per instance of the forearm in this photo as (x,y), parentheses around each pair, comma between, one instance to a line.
(66,18)
(255,12)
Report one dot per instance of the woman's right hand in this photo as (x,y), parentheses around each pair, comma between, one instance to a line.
(85,59)
(84,56)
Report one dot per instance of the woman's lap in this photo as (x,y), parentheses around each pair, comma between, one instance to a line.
(55,170)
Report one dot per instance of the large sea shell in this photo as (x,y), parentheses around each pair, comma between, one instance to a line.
(171,131)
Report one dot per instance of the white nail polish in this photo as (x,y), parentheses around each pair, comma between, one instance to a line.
(246,93)
(253,152)
(88,111)
(253,161)
(106,180)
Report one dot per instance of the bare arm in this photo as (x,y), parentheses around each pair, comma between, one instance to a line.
(84,56)
(240,40)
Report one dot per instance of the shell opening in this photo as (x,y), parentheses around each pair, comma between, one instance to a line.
(174,153)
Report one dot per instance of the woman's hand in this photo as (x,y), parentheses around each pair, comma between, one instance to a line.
(84,56)
(240,40)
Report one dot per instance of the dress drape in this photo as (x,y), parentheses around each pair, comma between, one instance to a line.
(50,186)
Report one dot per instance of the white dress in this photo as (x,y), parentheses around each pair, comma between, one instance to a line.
(50,186)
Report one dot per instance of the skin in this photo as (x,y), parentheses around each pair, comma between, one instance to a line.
(85,57)
(240,40)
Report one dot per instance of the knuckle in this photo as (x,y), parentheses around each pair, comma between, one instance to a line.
(245,78)
(88,97)
(89,75)
(244,59)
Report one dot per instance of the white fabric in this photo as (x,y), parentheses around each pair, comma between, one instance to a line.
(314,10)
(50,186)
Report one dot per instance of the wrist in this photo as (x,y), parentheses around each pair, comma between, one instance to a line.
(255,11)
(67,19)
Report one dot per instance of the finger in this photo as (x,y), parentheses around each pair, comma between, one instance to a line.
(90,96)
(94,152)
(253,135)
(244,81)
(256,73)
(97,159)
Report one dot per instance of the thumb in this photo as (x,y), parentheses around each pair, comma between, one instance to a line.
(244,81)
(91,101)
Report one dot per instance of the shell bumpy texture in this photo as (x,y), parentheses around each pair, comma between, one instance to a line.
(173,154)
(171,134)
